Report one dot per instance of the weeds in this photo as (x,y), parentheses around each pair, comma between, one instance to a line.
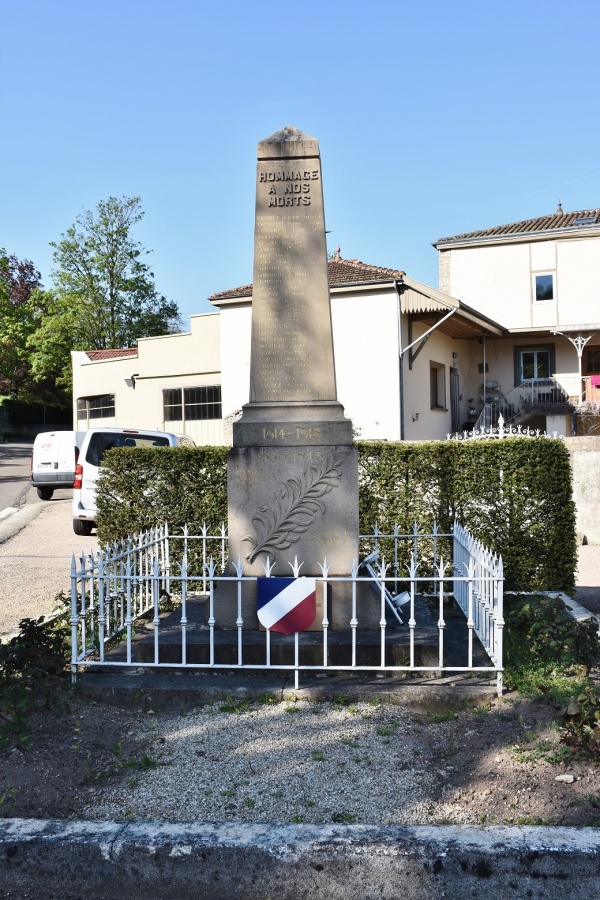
(343,818)
(441,716)
(7,801)
(549,654)
(386,730)
(234,705)
(31,665)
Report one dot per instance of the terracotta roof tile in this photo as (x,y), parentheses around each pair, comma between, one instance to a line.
(341,271)
(95,355)
(553,222)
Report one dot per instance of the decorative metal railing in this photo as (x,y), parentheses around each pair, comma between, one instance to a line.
(500,430)
(157,578)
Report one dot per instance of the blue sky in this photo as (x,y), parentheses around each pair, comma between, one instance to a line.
(432,118)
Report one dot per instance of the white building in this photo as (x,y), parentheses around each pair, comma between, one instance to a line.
(410,360)
(406,360)
(538,278)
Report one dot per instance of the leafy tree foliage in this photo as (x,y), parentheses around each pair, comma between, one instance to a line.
(21,309)
(104,294)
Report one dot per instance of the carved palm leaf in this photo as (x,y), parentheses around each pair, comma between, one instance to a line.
(296,505)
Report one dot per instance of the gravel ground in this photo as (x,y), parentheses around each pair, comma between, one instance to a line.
(295,761)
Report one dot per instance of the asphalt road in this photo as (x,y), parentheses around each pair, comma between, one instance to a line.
(15,469)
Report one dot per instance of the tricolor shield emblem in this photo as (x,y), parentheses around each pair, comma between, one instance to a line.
(286,605)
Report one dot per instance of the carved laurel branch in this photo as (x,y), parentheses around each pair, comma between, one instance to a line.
(297,502)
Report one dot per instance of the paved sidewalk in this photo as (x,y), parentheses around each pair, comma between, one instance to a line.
(36,546)
(587,578)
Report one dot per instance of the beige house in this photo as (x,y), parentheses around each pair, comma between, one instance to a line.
(536,277)
(170,383)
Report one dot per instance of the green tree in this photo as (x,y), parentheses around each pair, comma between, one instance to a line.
(104,294)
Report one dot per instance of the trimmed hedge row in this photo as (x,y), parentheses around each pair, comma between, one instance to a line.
(514,494)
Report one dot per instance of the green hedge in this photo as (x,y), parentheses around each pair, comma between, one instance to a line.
(513,494)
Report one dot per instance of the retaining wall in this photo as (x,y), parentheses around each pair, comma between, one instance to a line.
(585,462)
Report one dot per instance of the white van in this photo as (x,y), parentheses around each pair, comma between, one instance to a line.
(95,443)
(53,461)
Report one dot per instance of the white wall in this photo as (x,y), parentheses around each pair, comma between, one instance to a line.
(365,338)
(498,280)
(236,327)
(495,281)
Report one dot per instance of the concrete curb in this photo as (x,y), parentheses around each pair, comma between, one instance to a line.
(11,525)
(186,690)
(74,859)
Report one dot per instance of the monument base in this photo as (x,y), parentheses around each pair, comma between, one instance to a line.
(336,597)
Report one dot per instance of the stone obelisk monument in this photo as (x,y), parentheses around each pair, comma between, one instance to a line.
(292,472)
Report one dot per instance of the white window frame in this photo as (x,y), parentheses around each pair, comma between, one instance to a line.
(540,349)
(544,274)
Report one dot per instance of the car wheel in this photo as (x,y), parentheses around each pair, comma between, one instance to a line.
(45,493)
(81,527)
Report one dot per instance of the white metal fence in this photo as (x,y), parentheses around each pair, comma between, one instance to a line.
(156,581)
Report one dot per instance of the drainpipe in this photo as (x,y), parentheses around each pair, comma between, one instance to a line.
(398,288)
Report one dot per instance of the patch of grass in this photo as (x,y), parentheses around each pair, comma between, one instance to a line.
(386,730)
(340,702)
(531,820)
(235,705)
(7,801)
(350,742)
(296,819)
(317,755)
(440,716)
(267,699)
(343,818)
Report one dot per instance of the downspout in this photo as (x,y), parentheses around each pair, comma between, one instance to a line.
(398,288)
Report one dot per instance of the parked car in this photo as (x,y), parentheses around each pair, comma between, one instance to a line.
(53,461)
(96,442)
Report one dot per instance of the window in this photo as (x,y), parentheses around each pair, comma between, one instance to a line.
(544,287)
(592,361)
(102,407)
(172,405)
(202,402)
(437,385)
(534,363)
(192,404)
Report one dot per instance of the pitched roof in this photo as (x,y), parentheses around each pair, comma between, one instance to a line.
(553,222)
(96,355)
(341,271)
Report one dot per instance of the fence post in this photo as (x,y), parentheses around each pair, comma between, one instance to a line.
(74,621)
